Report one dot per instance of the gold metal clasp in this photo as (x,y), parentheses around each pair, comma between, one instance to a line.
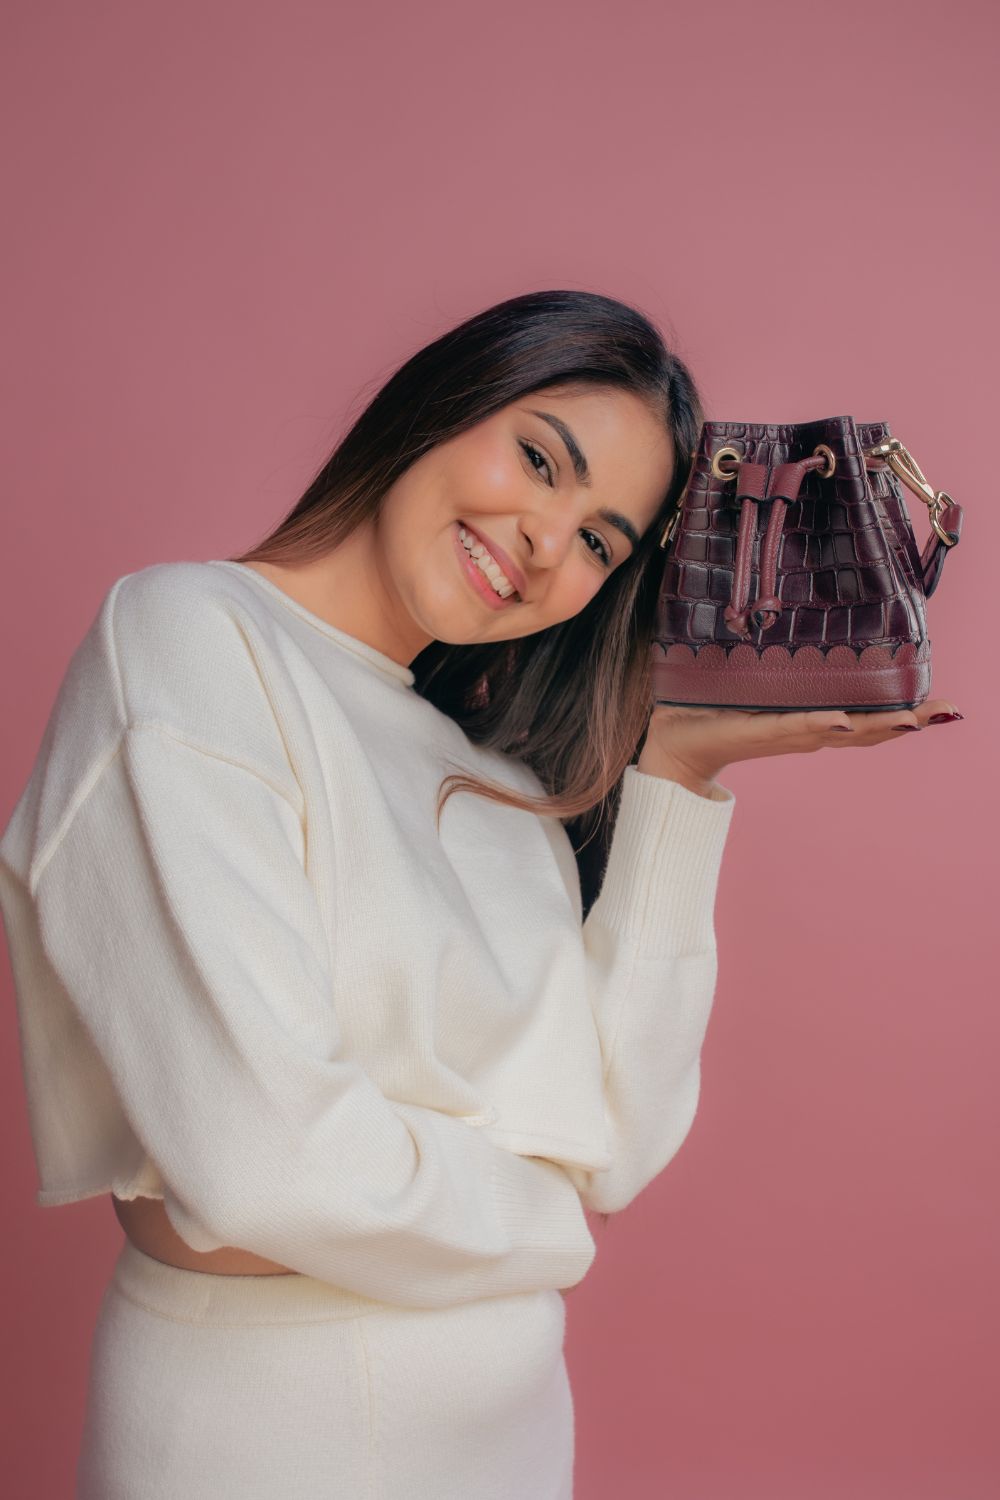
(675,517)
(668,529)
(902,462)
(720,473)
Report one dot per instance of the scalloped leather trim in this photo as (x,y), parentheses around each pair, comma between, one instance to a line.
(749,658)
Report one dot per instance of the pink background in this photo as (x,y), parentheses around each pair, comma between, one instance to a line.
(227,223)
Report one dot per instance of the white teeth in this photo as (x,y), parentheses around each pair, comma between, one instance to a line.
(487,564)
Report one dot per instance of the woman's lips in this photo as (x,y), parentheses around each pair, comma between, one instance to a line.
(477,578)
(513,572)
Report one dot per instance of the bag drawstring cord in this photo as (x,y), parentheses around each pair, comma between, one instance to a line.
(754,484)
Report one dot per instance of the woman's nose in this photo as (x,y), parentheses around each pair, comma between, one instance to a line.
(550,538)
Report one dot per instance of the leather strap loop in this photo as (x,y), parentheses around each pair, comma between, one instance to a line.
(935,550)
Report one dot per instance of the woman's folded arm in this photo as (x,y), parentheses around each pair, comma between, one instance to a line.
(651,973)
(176,910)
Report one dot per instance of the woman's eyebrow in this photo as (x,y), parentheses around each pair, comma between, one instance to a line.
(573,448)
(582,471)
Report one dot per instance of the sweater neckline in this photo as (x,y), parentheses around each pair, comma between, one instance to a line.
(374,657)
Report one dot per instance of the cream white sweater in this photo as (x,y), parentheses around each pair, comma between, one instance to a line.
(253,979)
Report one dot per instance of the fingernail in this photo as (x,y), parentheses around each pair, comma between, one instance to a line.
(844,728)
(944,718)
(897,727)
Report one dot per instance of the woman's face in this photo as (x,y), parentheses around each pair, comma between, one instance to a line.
(559,487)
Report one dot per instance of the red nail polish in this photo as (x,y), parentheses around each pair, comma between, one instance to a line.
(944,718)
(896,728)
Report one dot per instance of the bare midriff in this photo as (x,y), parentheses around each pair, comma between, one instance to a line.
(145,1223)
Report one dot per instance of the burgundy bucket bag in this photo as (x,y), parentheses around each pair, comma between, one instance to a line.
(792,577)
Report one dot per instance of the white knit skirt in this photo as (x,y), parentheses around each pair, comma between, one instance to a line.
(207,1387)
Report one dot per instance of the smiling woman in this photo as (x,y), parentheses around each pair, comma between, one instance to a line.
(556,430)
(352,1055)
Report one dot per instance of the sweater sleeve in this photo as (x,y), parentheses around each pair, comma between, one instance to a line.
(176,910)
(651,964)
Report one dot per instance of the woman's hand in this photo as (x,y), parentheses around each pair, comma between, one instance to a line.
(692,745)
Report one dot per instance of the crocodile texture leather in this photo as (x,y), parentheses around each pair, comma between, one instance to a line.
(818,604)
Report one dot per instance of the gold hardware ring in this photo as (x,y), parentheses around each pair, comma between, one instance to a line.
(718,470)
(831,460)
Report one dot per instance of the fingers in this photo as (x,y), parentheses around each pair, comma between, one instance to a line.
(892,724)
(814,722)
(939,709)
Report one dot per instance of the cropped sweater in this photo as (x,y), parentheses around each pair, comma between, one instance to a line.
(255,980)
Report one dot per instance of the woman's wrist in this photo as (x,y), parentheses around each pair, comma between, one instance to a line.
(651,763)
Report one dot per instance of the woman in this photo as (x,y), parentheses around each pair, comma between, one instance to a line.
(355,1054)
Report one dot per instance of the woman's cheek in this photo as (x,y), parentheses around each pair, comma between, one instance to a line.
(565,599)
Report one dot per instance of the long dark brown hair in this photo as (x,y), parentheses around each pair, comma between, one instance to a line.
(572,701)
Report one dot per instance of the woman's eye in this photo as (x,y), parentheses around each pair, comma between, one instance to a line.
(605,554)
(530,449)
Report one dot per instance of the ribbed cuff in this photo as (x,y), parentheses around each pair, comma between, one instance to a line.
(663,865)
(538,1203)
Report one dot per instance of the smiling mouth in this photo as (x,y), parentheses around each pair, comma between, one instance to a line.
(511,595)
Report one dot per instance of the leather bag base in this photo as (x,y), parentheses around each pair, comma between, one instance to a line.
(872,680)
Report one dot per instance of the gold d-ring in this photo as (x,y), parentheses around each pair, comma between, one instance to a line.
(717,470)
